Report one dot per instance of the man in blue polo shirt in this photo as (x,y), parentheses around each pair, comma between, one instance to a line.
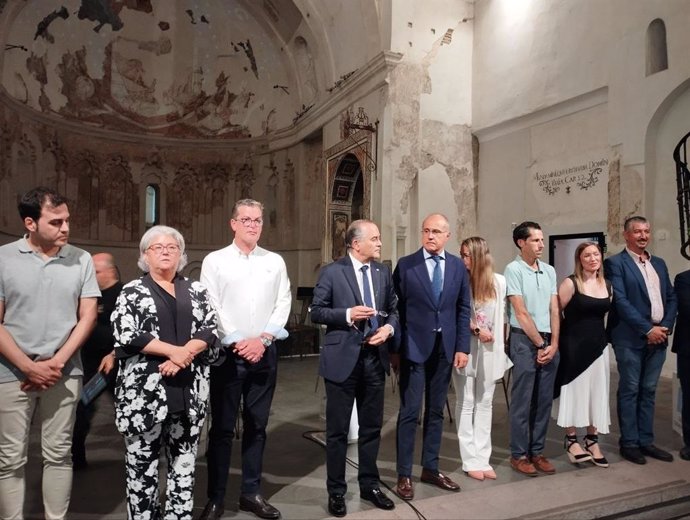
(48,295)
(534,327)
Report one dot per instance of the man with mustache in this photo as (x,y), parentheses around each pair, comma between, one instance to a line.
(641,319)
(48,293)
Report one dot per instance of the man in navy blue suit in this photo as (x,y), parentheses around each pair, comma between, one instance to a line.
(681,346)
(640,321)
(354,297)
(434,304)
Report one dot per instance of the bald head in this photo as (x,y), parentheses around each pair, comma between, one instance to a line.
(106,271)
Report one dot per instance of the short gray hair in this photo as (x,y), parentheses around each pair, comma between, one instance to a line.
(157,231)
(355,231)
(246,202)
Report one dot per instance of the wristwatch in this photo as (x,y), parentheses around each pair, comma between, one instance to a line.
(267,342)
(543,345)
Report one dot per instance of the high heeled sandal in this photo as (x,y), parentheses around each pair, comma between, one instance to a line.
(569,441)
(591,440)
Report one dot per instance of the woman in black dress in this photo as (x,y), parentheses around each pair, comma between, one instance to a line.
(582,381)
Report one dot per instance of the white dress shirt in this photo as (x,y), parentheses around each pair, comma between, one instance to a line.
(250,292)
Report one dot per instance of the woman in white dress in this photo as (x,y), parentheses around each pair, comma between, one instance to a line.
(581,390)
(475,384)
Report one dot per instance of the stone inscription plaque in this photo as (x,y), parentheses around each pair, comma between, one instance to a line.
(586,174)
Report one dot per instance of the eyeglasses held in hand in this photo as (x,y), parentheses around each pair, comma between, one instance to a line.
(248,222)
(170,248)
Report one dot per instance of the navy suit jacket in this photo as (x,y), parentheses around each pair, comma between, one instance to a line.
(681,335)
(336,291)
(420,314)
(630,317)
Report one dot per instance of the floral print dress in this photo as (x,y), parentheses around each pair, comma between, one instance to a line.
(154,412)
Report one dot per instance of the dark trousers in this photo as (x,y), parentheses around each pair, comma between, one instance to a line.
(82,422)
(231,381)
(429,379)
(531,397)
(684,377)
(366,384)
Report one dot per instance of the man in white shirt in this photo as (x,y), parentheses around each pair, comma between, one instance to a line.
(251,291)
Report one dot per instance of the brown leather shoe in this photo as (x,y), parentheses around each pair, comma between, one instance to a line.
(542,464)
(524,466)
(438,479)
(404,489)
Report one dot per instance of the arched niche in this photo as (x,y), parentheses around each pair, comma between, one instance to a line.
(348,195)
(657,54)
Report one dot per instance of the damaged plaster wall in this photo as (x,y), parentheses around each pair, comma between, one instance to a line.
(427,143)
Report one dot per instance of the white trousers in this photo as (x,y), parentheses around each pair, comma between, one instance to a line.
(56,408)
(473,408)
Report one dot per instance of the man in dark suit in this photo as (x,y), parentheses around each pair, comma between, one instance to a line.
(354,297)
(640,321)
(434,302)
(681,346)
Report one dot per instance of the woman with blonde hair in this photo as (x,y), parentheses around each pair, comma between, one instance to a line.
(581,390)
(475,384)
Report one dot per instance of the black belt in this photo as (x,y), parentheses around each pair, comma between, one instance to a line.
(546,336)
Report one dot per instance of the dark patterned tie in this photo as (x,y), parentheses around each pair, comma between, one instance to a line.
(437,278)
(366,288)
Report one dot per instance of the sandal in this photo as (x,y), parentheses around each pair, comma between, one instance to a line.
(591,440)
(571,440)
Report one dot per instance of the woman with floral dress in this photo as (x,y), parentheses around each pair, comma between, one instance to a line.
(165,337)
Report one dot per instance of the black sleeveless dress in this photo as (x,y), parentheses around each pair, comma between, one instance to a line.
(583,335)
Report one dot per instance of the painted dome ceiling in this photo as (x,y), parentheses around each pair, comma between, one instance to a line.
(214,69)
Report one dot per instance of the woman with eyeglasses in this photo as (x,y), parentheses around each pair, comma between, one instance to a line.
(164,328)
(581,390)
(475,384)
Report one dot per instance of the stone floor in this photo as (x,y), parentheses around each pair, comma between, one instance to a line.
(294,468)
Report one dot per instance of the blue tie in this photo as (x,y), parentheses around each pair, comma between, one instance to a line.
(437,278)
(366,289)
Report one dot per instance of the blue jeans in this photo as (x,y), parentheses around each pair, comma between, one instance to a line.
(531,397)
(639,371)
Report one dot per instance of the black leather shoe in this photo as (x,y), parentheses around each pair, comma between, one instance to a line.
(656,453)
(633,455)
(336,505)
(212,511)
(377,497)
(685,453)
(257,504)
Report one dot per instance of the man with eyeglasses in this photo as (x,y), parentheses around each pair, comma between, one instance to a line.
(434,303)
(534,328)
(251,291)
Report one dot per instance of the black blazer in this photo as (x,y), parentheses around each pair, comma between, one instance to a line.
(681,334)
(337,290)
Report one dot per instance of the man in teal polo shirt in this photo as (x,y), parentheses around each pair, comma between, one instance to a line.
(534,327)
(48,294)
